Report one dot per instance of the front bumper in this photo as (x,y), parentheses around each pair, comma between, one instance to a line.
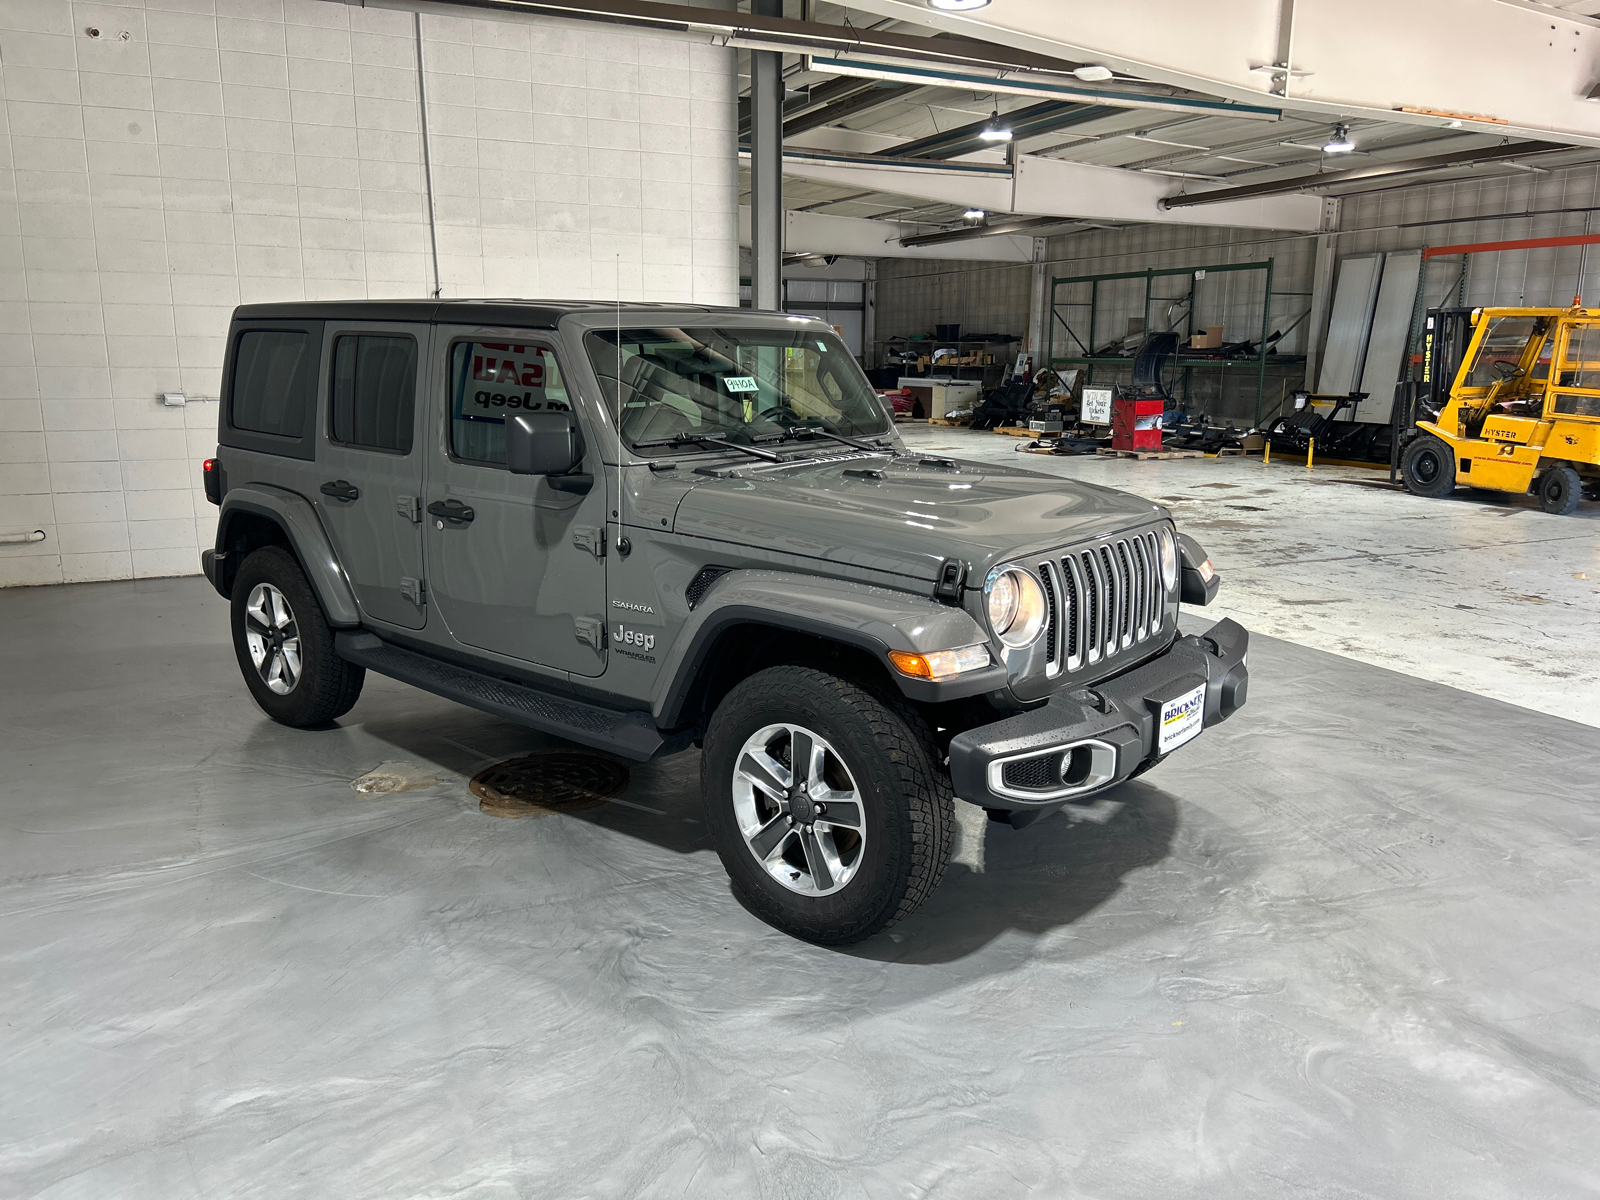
(1091,738)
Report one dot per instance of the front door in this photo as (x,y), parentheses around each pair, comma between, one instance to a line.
(515,566)
(369,466)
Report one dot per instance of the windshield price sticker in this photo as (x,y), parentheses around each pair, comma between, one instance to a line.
(740,383)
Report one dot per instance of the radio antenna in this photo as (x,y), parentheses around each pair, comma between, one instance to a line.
(619,340)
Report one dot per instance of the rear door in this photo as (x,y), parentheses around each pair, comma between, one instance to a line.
(1577,391)
(369,492)
(515,566)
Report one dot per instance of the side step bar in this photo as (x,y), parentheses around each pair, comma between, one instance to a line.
(628,734)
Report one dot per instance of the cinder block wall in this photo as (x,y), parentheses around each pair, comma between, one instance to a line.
(185,162)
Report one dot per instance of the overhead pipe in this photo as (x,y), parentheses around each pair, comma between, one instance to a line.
(762,29)
(1025,225)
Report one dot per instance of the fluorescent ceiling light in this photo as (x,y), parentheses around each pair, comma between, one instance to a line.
(996,130)
(1093,73)
(1340,142)
(974,214)
(957,5)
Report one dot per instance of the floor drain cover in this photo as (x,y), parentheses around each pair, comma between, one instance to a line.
(553,781)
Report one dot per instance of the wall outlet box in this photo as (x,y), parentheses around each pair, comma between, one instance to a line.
(174,399)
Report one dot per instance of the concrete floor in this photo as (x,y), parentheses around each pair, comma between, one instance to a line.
(1343,946)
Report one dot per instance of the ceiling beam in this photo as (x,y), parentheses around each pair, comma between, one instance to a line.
(1027,122)
(1324,179)
(856,104)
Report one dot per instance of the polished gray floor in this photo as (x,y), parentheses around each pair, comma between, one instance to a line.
(1344,946)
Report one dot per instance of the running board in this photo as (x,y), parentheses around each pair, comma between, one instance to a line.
(629,734)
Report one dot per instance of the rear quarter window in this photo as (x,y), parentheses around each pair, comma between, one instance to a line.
(271,379)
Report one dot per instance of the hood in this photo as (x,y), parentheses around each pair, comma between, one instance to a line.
(905,515)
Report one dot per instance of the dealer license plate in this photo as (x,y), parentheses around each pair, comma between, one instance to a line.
(1181,720)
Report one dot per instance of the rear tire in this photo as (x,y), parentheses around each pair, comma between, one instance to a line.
(284,645)
(1560,489)
(873,763)
(1428,467)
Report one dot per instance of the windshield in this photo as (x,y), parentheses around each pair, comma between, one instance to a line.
(1502,348)
(744,385)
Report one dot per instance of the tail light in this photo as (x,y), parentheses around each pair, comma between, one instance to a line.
(212,470)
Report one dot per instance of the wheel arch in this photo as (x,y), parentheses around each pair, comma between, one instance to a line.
(750,620)
(258,515)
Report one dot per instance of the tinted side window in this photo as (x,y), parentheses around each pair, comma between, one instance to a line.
(274,382)
(374,391)
(489,379)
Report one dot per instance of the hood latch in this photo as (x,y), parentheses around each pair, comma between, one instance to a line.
(952,574)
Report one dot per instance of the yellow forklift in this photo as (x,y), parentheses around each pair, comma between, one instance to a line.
(1509,401)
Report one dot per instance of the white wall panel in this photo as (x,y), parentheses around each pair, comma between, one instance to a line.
(236,151)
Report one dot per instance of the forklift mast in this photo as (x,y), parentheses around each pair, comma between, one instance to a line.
(1446,332)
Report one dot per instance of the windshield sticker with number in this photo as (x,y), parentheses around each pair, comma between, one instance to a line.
(739,383)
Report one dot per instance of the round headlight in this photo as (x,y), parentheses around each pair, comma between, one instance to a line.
(1016,606)
(1169,558)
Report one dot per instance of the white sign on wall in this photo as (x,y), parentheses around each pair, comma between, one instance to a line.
(1097,405)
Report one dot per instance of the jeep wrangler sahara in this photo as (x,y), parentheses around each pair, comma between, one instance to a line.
(642,527)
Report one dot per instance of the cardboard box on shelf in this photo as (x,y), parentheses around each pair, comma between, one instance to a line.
(1209,339)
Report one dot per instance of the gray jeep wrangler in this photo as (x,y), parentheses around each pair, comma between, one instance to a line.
(644,527)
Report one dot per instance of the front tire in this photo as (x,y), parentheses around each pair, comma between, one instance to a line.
(1428,467)
(1560,489)
(284,645)
(860,838)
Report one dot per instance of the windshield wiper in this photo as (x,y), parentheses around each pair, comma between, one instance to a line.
(839,437)
(710,439)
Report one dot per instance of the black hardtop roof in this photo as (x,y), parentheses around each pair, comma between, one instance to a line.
(540,314)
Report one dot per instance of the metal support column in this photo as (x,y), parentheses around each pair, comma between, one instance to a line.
(1039,303)
(766,169)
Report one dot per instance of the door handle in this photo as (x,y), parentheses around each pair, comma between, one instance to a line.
(341,489)
(451,511)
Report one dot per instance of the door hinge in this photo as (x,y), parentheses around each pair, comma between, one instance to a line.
(409,507)
(587,537)
(591,631)
(413,590)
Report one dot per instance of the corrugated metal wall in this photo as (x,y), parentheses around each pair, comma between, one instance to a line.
(915,295)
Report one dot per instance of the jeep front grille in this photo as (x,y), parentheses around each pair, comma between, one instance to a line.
(1102,599)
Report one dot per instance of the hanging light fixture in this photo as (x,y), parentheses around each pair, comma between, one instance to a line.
(974,214)
(1340,142)
(957,5)
(1092,73)
(996,130)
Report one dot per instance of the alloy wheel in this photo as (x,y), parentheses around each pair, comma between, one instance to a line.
(273,638)
(799,810)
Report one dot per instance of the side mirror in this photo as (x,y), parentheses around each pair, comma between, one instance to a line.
(549,444)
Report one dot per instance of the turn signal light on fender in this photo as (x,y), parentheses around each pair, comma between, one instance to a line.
(940,664)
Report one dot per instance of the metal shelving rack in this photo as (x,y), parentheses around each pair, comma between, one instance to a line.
(1002,363)
(1197,274)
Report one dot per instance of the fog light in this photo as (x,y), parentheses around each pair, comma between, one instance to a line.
(940,664)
